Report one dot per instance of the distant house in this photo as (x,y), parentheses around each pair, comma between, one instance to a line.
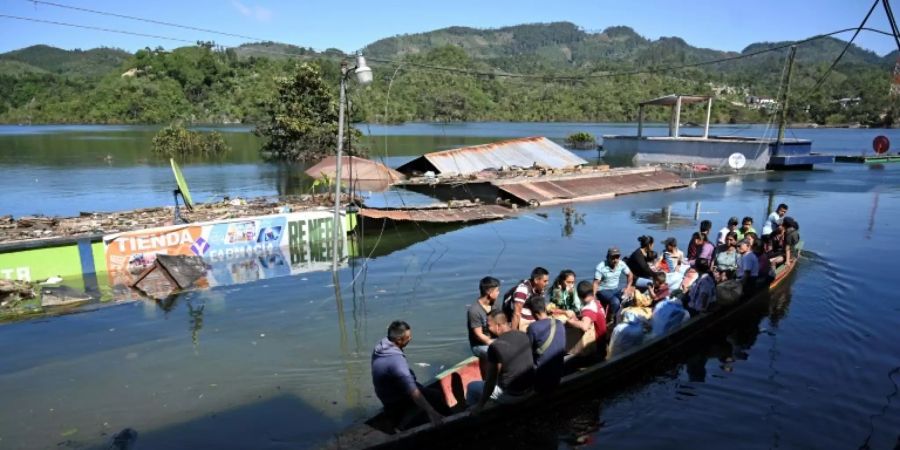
(847,102)
(755,102)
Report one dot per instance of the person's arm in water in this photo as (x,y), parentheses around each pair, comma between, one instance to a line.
(435,417)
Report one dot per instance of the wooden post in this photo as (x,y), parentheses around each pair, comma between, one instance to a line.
(677,114)
(784,99)
(640,121)
(708,114)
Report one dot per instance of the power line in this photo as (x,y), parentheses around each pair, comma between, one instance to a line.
(156,36)
(141,19)
(88,27)
(846,47)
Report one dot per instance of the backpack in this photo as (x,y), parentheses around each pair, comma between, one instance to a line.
(508,303)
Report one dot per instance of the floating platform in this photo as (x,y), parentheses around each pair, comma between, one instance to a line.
(872,159)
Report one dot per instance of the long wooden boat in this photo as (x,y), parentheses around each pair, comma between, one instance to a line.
(375,433)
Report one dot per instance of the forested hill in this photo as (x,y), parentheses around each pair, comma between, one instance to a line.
(202,83)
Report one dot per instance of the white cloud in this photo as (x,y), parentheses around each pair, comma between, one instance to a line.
(253,11)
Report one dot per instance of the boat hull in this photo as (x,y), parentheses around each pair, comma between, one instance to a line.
(572,387)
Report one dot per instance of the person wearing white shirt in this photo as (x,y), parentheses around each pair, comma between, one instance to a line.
(732,225)
(775,219)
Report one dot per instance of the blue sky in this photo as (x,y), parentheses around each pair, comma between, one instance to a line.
(350,24)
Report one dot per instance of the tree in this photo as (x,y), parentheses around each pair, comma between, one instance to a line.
(301,122)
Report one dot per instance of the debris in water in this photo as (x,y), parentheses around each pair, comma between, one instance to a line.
(423,364)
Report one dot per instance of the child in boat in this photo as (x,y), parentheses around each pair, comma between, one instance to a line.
(592,313)
(660,289)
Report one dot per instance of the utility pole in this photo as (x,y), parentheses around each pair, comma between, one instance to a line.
(784,98)
(336,226)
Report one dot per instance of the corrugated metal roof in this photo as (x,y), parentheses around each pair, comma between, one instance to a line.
(669,100)
(591,186)
(439,214)
(523,152)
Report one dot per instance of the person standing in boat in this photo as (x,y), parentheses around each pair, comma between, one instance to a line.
(774,219)
(396,385)
(548,346)
(607,280)
(641,261)
(521,315)
(723,233)
(510,369)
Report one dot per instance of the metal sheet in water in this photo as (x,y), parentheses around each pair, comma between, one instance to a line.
(439,215)
(523,152)
(591,186)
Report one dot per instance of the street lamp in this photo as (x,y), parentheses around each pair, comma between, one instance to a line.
(363,77)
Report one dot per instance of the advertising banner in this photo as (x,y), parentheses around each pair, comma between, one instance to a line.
(236,251)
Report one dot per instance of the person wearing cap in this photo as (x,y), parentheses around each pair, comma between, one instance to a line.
(732,226)
(607,281)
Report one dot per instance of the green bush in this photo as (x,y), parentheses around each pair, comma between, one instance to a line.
(581,140)
(175,140)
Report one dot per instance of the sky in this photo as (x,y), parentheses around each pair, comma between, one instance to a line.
(350,25)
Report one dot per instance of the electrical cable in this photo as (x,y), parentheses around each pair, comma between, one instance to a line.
(846,47)
(141,19)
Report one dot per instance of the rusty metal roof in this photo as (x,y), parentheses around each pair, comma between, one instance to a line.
(590,186)
(439,214)
(523,152)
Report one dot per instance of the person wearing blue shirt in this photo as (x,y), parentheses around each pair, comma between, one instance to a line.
(396,385)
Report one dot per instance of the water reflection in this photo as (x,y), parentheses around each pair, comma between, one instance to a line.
(572,218)
(663,219)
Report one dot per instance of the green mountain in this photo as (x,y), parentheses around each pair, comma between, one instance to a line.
(89,63)
(572,78)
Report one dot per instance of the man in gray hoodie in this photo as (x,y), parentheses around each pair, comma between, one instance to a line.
(396,385)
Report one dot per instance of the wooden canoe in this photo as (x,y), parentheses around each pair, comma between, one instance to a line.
(373,433)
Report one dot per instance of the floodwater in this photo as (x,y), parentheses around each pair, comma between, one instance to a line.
(284,363)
